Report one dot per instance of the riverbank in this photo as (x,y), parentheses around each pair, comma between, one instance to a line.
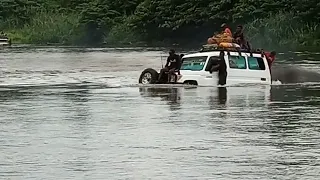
(272,25)
(257,41)
(273,32)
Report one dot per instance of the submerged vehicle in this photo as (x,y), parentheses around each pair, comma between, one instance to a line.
(4,41)
(242,66)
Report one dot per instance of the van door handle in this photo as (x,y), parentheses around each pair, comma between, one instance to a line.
(263,79)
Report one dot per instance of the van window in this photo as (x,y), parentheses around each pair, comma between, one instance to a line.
(193,63)
(256,63)
(237,62)
(213,60)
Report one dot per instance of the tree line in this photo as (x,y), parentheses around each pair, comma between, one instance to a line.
(154,21)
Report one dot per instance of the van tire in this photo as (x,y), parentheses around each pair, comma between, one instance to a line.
(148,76)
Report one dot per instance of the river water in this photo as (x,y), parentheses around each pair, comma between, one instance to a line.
(78,113)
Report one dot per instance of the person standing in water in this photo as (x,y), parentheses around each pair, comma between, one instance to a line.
(221,67)
(271,57)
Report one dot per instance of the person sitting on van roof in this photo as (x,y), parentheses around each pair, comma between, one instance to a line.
(238,35)
(240,39)
(225,36)
(226,29)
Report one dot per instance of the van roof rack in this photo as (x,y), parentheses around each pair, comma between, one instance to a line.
(215,47)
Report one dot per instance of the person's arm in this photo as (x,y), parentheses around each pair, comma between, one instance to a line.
(214,68)
(241,36)
(249,45)
(236,35)
(272,61)
(167,64)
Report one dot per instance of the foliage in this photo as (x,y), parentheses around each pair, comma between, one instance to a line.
(131,21)
(48,27)
(122,34)
(277,30)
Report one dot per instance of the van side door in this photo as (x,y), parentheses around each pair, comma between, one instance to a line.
(237,68)
(258,69)
(211,77)
(243,68)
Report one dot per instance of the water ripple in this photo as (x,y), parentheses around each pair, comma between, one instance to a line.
(69,113)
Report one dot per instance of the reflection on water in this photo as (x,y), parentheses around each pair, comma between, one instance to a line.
(74,115)
(297,67)
(171,95)
(281,125)
(242,132)
(222,94)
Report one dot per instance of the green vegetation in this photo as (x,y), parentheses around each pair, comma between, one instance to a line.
(124,22)
(282,30)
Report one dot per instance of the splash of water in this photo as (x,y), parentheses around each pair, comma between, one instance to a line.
(287,74)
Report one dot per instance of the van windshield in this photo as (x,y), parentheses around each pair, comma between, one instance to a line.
(194,63)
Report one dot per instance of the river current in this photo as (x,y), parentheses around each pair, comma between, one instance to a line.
(78,113)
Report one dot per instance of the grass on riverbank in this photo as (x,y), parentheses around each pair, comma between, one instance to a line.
(282,31)
(64,29)
(122,34)
(47,27)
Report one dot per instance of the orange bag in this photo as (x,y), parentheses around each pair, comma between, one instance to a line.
(220,38)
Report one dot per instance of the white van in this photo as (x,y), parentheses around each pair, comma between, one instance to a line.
(241,67)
